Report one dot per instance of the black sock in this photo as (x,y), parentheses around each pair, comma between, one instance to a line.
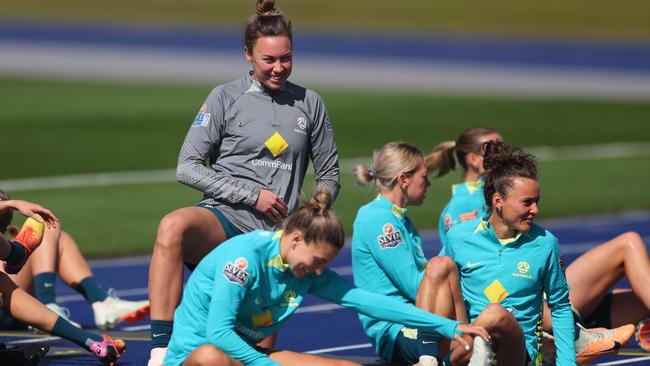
(17,254)
(428,343)
(161,333)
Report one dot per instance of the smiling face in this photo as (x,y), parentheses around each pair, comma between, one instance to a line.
(308,258)
(519,206)
(272,60)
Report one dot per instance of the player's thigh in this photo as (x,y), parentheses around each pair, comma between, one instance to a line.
(197,228)
(210,355)
(289,358)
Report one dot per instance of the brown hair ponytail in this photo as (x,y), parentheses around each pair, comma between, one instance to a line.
(268,21)
(317,222)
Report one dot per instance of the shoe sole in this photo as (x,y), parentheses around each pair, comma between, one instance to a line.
(643,331)
(135,316)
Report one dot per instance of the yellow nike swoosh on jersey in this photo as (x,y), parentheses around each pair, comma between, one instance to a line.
(470,265)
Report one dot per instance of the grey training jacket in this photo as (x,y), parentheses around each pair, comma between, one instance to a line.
(252,138)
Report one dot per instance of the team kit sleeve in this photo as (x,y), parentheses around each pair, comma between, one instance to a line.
(557,292)
(323,151)
(395,259)
(230,287)
(330,286)
(203,137)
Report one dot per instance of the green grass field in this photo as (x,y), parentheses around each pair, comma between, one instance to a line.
(554,18)
(51,127)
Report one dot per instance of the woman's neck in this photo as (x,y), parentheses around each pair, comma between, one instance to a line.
(396,197)
(471,176)
(501,230)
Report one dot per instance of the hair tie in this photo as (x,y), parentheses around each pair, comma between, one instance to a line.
(373,173)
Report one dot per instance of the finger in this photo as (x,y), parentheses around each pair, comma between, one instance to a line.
(50,215)
(461,341)
(277,217)
(282,209)
(283,205)
(481,332)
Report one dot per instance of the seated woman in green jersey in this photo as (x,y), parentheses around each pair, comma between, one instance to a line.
(21,306)
(387,259)
(504,258)
(246,288)
(590,277)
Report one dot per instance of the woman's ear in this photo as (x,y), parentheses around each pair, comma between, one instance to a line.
(248,54)
(473,160)
(402,180)
(296,238)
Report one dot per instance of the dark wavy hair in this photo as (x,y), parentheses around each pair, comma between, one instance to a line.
(502,163)
(267,21)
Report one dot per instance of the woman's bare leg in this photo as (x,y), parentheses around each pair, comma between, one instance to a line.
(439,291)
(209,355)
(72,265)
(44,259)
(594,273)
(23,307)
(213,356)
(187,234)
(507,337)
(288,358)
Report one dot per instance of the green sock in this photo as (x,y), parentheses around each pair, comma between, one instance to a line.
(90,289)
(44,287)
(64,329)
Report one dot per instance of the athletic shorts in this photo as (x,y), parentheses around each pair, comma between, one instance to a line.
(602,316)
(228,228)
(7,322)
(407,352)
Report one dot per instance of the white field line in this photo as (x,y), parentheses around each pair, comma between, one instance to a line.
(621,362)
(35,340)
(543,153)
(342,348)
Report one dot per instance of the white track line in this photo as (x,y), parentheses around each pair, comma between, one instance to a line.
(543,153)
(342,348)
(621,362)
(35,340)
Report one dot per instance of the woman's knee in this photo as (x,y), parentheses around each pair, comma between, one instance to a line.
(632,241)
(170,231)
(440,268)
(208,355)
(495,315)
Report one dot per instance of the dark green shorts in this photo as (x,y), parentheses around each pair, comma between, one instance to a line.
(228,228)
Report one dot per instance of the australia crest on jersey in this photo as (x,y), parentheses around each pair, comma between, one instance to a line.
(235,272)
(202,118)
(391,238)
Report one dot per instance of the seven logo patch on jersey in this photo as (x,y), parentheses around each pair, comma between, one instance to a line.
(202,118)
(235,272)
(391,237)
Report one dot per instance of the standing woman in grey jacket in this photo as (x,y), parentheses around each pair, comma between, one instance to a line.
(247,150)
